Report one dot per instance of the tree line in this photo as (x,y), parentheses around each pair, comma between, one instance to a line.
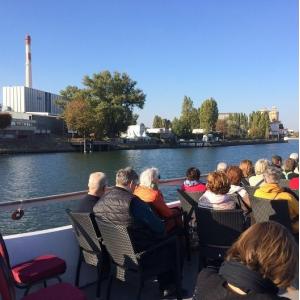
(105,105)
(206,117)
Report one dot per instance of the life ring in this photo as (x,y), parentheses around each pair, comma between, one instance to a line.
(17,214)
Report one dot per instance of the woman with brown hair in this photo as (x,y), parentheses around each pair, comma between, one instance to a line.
(216,196)
(261,261)
(234,174)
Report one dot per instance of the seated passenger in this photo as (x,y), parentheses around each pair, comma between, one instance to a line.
(294,183)
(259,168)
(192,182)
(261,261)
(121,207)
(216,195)
(271,190)
(295,157)
(276,161)
(148,191)
(96,185)
(234,175)
(289,166)
(221,166)
(247,168)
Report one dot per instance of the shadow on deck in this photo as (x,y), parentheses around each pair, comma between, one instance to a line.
(127,291)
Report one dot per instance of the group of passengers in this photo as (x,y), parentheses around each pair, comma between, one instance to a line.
(137,203)
(266,176)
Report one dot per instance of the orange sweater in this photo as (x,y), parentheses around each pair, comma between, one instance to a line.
(156,198)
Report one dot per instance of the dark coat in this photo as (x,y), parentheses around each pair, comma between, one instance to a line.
(210,285)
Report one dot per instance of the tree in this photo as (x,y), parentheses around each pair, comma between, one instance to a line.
(189,114)
(222,126)
(157,122)
(180,128)
(5,120)
(209,115)
(112,98)
(259,124)
(78,115)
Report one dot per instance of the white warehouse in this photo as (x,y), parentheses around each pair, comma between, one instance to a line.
(26,99)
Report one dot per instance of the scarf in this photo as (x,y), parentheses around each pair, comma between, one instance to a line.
(191,182)
(247,280)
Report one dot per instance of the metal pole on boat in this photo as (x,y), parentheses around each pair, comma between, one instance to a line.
(84,144)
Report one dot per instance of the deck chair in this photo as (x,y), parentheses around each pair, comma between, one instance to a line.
(60,291)
(217,230)
(91,250)
(265,210)
(188,203)
(35,271)
(127,265)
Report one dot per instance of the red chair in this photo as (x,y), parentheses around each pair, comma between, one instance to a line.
(60,291)
(34,271)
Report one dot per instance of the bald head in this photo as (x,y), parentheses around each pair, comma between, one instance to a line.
(97,183)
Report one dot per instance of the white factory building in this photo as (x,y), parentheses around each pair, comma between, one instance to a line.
(25,99)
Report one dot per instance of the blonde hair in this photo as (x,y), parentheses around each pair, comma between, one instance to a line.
(261,166)
(267,248)
(148,176)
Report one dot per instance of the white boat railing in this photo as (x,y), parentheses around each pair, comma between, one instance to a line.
(59,198)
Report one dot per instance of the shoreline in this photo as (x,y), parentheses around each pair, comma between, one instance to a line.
(67,147)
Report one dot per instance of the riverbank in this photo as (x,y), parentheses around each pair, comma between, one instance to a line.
(52,144)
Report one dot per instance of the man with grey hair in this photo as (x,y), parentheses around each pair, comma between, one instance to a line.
(121,207)
(96,185)
(295,157)
(271,190)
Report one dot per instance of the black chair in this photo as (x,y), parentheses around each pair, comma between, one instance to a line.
(284,182)
(126,264)
(188,203)
(217,230)
(271,210)
(91,250)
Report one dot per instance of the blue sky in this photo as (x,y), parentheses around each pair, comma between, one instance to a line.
(244,53)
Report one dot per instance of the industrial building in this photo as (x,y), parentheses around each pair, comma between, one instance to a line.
(25,99)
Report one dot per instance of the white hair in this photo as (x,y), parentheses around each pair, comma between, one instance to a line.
(294,156)
(221,166)
(261,166)
(148,176)
(97,181)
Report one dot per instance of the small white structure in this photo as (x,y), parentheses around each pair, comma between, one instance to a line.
(158,130)
(198,131)
(136,131)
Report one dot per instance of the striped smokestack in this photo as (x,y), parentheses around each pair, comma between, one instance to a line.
(28,74)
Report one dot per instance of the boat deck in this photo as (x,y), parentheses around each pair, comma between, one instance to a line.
(126,291)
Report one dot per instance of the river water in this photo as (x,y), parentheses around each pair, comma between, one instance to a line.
(33,175)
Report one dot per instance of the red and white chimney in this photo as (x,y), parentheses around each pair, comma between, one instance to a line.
(28,74)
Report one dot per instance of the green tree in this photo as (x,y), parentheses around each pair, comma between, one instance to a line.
(189,114)
(180,128)
(259,124)
(157,122)
(209,114)
(5,120)
(112,98)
